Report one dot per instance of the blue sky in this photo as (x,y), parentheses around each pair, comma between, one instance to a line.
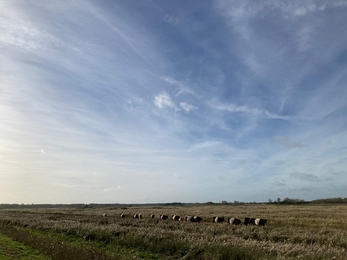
(162,101)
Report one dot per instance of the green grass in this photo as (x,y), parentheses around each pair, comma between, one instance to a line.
(62,246)
(10,249)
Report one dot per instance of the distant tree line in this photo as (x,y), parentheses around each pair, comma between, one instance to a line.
(300,201)
(331,200)
(287,201)
(78,205)
(284,201)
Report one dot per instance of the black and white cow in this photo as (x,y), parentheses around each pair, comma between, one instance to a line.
(104,215)
(140,215)
(234,221)
(249,221)
(122,215)
(136,215)
(260,221)
(163,217)
(152,215)
(218,219)
(175,217)
(197,219)
(189,218)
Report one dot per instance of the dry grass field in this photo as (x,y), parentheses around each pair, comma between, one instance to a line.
(292,232)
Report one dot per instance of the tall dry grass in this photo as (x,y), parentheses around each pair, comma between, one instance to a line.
(292,232)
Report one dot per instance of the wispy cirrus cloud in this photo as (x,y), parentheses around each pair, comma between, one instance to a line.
(187,107)
(256,47)
(171,19)
(237,109)
(233,108)
(181,88)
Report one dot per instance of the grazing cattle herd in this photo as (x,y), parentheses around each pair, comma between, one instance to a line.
(197,219)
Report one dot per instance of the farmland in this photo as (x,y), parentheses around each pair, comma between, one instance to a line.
(292,232)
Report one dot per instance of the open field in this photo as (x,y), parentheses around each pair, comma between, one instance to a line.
(292,232)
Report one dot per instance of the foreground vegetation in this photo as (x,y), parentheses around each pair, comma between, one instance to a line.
(10,249)
(292,232)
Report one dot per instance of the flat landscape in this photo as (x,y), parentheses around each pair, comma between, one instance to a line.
(291,232)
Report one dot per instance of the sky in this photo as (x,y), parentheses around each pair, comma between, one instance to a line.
(172,101)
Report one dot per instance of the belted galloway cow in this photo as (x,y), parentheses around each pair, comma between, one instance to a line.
(249,221)
(163,217)
(260,221)
(234,221)
(218,219)
(175,217)
(189,218)
(197,219)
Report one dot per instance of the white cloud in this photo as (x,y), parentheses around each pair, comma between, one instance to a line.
(181,88)
(172,19)
(233,108)
(244,9)
(206,145)
(304,37)
(163,100)
(186,107)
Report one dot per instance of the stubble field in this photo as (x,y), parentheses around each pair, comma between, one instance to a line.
(292,232)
